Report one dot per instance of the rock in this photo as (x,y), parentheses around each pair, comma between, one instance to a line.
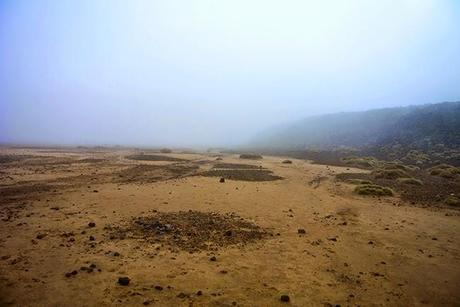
(124,281)
(285,298)
(199,293)
(159,288)
(91,224)
(213,258)
(287,162)
(222,180)
(95,191)
(228,233)
(301,231)
(91,238)
(41,236)
(181,295)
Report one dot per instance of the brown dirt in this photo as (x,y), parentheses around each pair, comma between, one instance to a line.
(353,250)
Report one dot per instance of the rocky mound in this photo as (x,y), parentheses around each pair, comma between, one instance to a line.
(191,230)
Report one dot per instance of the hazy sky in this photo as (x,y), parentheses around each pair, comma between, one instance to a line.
(214,72)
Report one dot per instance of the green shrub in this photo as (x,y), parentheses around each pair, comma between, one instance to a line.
(411,181)
(373,189)
(251,156)
(452,200)
(364,162)
(445,171)
(390,174)
(358,181)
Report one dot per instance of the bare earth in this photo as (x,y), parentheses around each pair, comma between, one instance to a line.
(355,250)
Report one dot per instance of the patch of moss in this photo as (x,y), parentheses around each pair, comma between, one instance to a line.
(373,189)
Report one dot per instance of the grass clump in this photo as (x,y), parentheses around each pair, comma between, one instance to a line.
(373,189)
(363,162)
(411,181)
(445,171)
(358,181)
(453,201)
(390,174)
(251,156)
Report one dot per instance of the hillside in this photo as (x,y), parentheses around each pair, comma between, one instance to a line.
(415,127)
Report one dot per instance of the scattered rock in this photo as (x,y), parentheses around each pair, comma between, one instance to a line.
(285,298)
(124,281)
(301,231)
(91,224)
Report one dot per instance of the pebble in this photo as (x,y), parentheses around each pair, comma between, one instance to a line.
(285,298)
(124,281)
(41,236)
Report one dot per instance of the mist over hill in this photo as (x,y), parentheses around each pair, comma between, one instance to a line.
(416,127)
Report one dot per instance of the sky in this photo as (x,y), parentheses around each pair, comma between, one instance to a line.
(214,73)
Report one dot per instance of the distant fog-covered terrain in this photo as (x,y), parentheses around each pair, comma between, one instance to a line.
(416,127)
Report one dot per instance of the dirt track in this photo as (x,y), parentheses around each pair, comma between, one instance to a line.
(356,250)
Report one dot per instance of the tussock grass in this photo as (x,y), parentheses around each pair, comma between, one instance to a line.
(373,190)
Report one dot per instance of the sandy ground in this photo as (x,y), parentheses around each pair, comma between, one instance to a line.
(356,250)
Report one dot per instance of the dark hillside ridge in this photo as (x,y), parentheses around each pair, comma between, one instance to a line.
(423,127)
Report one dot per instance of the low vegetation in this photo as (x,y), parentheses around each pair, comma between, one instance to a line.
(251,156)
(242,174)
(373,190)
(144,157)
(389,174)
(445,171)
(411,181)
